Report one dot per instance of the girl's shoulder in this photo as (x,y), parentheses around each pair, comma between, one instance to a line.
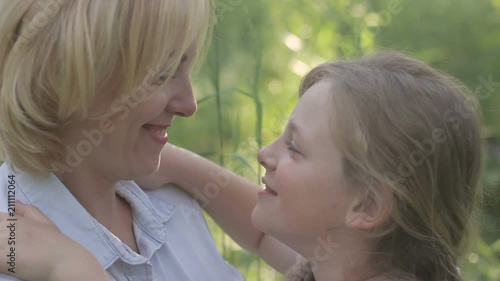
(395,276)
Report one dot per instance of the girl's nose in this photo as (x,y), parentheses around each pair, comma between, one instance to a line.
(266,158)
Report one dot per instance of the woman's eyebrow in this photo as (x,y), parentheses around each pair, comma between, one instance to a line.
(184,57)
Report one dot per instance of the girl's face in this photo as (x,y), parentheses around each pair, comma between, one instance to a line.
(128,145)
(307,198)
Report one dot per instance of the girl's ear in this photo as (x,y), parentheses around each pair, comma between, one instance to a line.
(366,211)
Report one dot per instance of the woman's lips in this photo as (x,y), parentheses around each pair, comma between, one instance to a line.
(157,132)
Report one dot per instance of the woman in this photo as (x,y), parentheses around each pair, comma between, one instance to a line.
(88,90)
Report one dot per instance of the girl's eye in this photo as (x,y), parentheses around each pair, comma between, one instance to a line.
(291,147)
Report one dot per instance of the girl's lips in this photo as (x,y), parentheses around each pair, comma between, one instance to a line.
(158,133)
(268,191)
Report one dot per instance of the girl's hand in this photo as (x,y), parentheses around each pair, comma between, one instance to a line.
(32,248)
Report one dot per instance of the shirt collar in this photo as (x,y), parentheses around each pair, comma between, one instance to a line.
(50,195)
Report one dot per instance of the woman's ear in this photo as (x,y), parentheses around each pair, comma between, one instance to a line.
(367,211)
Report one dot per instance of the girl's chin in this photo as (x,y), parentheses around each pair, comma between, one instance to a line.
(259,219)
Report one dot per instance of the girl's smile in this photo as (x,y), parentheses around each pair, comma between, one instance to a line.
(267,190)
(303,179)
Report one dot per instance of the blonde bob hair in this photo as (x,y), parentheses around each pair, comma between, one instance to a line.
(56,54)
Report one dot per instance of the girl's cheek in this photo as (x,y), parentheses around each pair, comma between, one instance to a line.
(283,179)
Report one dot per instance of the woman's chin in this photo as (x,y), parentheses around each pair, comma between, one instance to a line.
(146,168)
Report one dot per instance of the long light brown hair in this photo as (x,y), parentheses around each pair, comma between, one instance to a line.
(411,130)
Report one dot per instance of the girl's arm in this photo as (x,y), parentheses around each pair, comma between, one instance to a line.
(228,198)
(38,251)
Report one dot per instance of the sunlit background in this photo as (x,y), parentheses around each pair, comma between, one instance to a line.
(262,48)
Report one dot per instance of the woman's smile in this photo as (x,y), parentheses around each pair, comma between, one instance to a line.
(157,132)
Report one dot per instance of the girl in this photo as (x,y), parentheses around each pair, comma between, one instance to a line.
(375,177)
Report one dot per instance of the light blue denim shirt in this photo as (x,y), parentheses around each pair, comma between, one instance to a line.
(174,241)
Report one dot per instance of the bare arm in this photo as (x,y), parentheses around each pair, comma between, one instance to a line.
(228,198)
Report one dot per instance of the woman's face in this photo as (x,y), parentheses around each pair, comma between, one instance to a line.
(128,145)
(307,197)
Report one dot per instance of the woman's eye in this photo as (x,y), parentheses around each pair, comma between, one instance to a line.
(162,79)
(292,147)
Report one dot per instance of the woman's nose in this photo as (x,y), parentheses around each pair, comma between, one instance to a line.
(185,107)
(183,102)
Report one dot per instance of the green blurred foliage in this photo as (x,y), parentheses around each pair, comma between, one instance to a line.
(262,48)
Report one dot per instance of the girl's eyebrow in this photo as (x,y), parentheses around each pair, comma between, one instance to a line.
(298,135)
(296,130)
(294,127)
